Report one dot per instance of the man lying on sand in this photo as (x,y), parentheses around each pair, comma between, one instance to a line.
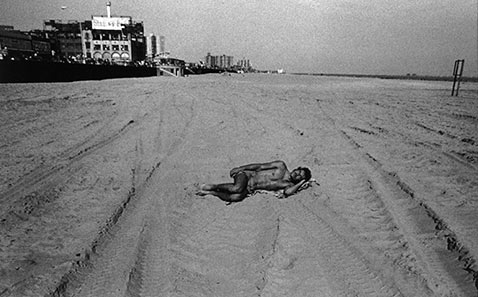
(272,176)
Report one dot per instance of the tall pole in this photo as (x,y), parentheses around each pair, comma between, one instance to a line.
(108,9)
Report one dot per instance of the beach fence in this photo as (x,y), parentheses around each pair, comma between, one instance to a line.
(457,73)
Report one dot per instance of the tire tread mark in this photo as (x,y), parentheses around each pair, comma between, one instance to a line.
(42,179)
(445,234)
(72,282)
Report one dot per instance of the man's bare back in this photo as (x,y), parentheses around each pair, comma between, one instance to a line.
(272,176)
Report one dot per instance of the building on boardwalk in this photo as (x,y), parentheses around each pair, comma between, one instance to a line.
(65,37)
(105,39)
(113,38)
(18,45)
(14,43)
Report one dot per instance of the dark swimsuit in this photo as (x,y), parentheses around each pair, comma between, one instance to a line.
(249,186)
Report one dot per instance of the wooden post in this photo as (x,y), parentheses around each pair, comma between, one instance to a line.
(457,73)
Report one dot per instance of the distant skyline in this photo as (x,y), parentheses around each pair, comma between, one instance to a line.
(321,36)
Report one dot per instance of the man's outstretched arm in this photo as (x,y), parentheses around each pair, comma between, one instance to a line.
(258,167)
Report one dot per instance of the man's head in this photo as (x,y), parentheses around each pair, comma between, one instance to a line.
(300,173)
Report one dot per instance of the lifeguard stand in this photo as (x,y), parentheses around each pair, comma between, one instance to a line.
(457,73)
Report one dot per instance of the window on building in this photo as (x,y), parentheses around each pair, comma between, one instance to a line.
(124,47)
(96,36)
(88,44)
(97,47)
(105,36)
(115,47)
(115,36)
(106,47)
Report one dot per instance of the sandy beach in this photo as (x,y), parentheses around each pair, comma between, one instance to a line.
(98,183)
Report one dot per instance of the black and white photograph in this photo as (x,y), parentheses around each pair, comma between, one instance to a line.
(239,148)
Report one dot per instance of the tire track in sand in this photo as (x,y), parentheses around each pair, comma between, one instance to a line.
(425,234)
(116,265)
(127,223)
(312,256)
(111,268)
(224,255)
(44,180)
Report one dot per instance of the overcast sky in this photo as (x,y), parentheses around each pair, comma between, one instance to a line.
(321,36)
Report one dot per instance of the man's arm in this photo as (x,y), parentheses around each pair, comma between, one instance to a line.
(292,189)
(258,167)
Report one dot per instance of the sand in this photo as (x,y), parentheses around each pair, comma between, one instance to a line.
(98,183)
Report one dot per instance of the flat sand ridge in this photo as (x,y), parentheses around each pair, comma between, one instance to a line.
(99,181)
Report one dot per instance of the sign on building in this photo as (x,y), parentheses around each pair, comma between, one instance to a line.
(113,23)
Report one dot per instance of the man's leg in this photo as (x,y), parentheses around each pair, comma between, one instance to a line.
(224,196)
(229,192)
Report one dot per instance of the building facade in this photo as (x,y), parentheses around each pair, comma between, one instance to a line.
(162,45)
(19,45)
(223,61)
(107,39)
(14,43)
(113,39)
(151,46)
(65,38)
(244,64)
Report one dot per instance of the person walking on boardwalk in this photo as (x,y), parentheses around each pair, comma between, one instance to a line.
(272,176)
